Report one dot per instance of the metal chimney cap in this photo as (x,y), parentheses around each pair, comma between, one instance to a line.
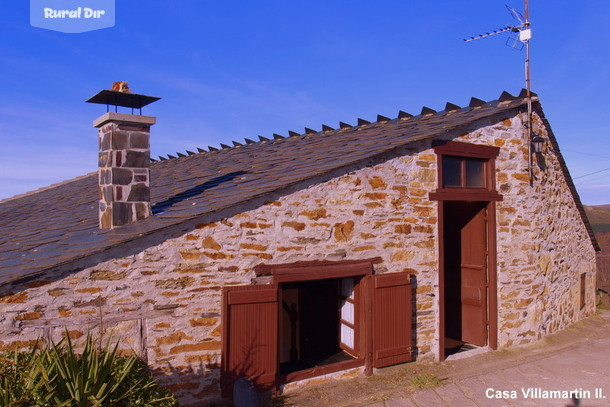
(115,98)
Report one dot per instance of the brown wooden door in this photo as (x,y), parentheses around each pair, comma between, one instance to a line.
(391,309)
(250,336)
(473,267)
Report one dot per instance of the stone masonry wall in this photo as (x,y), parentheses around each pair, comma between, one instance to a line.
(543,246)
(173,289)
(376,211)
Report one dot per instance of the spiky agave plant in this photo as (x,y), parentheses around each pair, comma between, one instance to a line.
(86,379)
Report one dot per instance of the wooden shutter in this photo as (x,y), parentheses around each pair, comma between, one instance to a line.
(250,336)
(391,319)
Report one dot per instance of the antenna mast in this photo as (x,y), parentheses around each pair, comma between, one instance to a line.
(525,34)
(526,38)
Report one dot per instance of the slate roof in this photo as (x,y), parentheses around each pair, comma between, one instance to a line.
(58,225)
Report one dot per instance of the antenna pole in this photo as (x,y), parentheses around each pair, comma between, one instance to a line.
(526,26)
(525,34)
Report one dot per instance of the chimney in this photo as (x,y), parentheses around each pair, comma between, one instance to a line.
(124,157)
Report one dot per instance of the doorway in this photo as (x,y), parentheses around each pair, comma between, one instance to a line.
(466,276)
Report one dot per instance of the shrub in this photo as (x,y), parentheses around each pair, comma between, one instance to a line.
(17,386)
(59,376)
(150,393)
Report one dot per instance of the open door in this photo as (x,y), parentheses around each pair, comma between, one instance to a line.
(391,304)
(474,279)
(250,336)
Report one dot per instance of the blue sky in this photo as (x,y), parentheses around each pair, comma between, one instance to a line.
(235,69)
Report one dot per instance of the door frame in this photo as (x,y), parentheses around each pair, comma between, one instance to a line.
(489,195)
(492,293)
(304,271)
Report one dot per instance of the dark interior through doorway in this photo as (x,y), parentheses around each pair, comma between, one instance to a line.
(314,318)
(465,276)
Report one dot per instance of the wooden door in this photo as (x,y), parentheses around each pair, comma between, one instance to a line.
(250,336)
(473,266)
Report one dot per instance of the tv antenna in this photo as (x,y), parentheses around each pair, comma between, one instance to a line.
(520,36)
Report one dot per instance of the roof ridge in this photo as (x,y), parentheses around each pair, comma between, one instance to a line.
(426,111)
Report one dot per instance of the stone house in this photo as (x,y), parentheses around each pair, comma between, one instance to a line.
(288,258)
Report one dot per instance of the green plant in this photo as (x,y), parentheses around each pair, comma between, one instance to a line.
(147,393)
(426,381)
(58,376)
(82,380)
(18,384)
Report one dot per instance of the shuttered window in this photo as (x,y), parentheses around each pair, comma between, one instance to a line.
(374,325)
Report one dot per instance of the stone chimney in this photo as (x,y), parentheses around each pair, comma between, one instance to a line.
(124,156)
(124,168)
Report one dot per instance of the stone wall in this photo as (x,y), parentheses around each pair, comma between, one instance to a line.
(381,210)
(543,245)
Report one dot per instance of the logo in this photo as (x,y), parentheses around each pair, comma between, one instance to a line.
(72,16)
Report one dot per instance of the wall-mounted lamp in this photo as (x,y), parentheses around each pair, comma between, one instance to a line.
(537,143)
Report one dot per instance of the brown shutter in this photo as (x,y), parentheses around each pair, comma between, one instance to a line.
(391,319)
(250,336)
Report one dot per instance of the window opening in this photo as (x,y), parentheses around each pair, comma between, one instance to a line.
(317,323)
(464,172)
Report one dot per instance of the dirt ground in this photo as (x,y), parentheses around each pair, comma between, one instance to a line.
(399,381)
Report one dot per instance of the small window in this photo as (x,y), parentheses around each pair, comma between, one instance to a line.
(583,284)
(464,172)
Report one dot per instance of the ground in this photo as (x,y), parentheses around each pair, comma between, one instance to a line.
(573,358)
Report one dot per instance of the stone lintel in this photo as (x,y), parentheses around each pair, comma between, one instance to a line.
(113,117)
